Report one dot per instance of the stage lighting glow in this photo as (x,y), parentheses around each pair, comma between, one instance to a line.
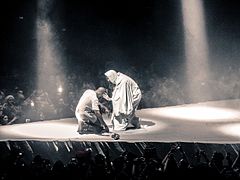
(230,129)
(198,113)
(196,51)
(60,89)
(55,130)
(66,129)
(49,53)
(46,56)
(32,103)
(50,130)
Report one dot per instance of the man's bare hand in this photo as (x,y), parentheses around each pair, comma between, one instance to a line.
(105,96)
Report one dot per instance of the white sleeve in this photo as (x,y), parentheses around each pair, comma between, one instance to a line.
(95,103)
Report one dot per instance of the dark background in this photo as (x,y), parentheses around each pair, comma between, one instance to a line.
(145,36)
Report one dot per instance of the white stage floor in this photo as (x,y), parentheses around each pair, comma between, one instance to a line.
(208,122)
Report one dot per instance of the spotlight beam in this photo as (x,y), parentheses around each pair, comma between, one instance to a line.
(196,50)
(49,55)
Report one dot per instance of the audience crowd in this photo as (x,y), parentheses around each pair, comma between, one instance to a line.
(85,164)
(58,99)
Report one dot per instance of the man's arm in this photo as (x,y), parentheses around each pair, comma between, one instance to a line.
(103,108)
(13,120)
(105,96)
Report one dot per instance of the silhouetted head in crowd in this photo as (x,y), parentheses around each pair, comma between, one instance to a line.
(2,96)
(84,155)
(37,159)
(183,164)
(217,160)
(3,118)
(19,97)
(100,160)
(58,166)
(1,109)
(10,100)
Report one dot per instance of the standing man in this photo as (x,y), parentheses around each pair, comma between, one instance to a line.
(126,97)
(88,113)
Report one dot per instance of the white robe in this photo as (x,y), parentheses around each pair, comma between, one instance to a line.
(126,97)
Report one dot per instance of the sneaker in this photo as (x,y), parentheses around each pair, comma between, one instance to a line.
(81,132)
(87,130)
(104,131)
(137,126)
(136,123)
(105,134)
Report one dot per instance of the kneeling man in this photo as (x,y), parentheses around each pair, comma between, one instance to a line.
(90,120)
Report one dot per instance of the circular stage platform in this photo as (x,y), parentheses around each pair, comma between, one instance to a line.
(208,122)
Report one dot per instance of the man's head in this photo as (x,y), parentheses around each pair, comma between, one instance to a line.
(111,76)
(2,95)
(100,91)
(10,99)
